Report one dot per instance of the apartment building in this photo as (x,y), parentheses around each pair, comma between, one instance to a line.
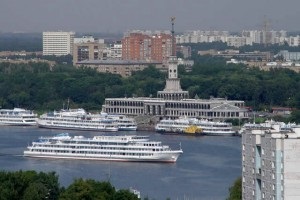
(270,164)
(147,46)
(114,51)
(124,68)
(58,43)
(246,37)
(88,48)
(289,56)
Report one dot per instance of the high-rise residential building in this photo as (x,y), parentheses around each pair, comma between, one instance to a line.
(236,41)
(136,46)
(114,51)
(271,164)
(58,43)
(147,46)
(161,47)
(88,48)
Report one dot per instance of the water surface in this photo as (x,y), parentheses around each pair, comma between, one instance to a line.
(206,169)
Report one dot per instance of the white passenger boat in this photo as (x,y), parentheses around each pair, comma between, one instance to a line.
(76,119)
(172,125)
(124,123)
(112,148)
(214,127)
(17,117)
(204,126)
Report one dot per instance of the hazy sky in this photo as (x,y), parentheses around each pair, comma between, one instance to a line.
(121,15)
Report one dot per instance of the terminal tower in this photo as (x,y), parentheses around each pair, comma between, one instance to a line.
(173,89)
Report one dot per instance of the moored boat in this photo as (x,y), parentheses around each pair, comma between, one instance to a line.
(214,127)
(193,125)
(17,117)
(76,119)
(192,130)
(124,122)
(172,126)
(113,148)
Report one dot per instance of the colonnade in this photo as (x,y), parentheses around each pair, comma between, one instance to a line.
(163,108)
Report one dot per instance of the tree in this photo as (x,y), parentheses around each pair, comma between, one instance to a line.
(235,191)
(125,195)
(88,190)
(295,116)
(28,185)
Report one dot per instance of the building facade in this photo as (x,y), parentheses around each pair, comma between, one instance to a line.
(121,67)
(270,164)
(58,43)
(246,37)
(146,46)
(114,51)
(88,48)
(290,56)
(215,109)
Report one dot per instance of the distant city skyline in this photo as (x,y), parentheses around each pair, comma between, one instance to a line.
(118,16)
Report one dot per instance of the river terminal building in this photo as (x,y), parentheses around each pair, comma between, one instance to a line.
(173,102)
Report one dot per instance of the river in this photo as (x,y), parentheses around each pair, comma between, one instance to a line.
(206,169)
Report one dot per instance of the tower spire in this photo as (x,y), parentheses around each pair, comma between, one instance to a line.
(173,37)
(173,89)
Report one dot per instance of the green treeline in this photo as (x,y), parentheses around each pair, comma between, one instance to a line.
(261,90)
(39,87)
(23,185)
(21,42)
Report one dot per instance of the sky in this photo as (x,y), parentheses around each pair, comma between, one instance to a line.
(117,16)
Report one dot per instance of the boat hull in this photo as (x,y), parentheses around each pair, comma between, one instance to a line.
(78,128)
(231,133)
(134,128)
(168,158)
(17,124)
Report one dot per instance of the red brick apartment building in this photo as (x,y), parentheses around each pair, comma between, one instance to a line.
(142,46)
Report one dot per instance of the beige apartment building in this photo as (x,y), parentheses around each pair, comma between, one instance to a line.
(121,67)
(88,49)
